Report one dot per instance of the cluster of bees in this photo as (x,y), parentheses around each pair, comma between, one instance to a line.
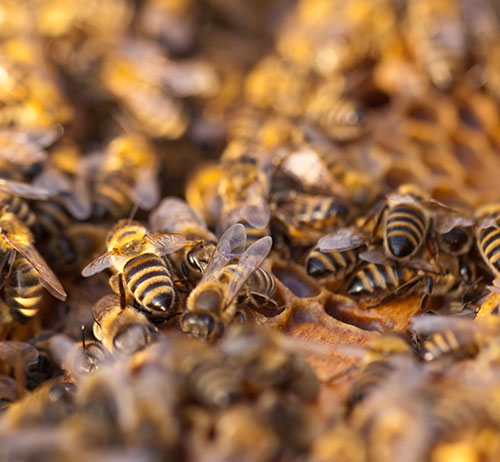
(325,151)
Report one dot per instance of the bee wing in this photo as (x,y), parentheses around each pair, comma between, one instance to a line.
(342,240)
(404,198)
(257,214)
(495,286)
(26,147)
(101,263)
(437,205)
(167,243)
(146,191)
(10,350)
(173,211)
(375,256)
(47,278)
(445,222)
(231,245)
(75,195)
(488,222)
(426,324)
(25,190)
(249,262)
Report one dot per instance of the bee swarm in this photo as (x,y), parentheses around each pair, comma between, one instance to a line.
(236,230)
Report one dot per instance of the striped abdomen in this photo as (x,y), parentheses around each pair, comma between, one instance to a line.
(23,292)
(261,282)
(405,229)
(52,217)
(149,280)
(488,241)
(450,343)
(374,374)
(373,278)
(316,212)
(113,195)
(338,264)
(18,207)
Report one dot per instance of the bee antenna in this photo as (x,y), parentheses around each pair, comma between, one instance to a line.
(134,210)
(83,336)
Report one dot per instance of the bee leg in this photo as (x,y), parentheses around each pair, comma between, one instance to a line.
(429,285)
(240,317)
(9,262)
(123,295)
(181,285)
(375,214)
(405,288)
(433,249)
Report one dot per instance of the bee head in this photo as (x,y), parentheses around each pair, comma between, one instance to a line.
(201,325)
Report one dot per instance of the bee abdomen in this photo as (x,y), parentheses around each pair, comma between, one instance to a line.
(23,291)
(113,195)
(370,378)
(321,263)
(149,279)
(489,244)
(215,384)
(447,343)
(405,229)
(52,217)
(373,278)
(262,281)
(19,207)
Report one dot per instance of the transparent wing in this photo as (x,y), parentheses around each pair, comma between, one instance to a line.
(11,350)
(426,324)
(25,190)
(342,240)
(26,147)
(404,198)
(146,191)
(249,262)
(47,278)
(171,214)
(168,243)
(488,222)
(231,245)
(375,256)
(434,204)
(444,222)
(99,264)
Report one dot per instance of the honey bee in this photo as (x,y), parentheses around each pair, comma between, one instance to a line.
(487,233)
(25,269)
(126,176)
(243,188)
(376,365)
(142,270)
(267,361)
(302,218)
(338,116)
(121,329)
(454,336)
(336,254)
(436,34)
(212,303)
(173,215)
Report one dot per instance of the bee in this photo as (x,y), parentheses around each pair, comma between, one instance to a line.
(336,254)
(302,218)
(436,34)
(121,329)
(377,364)
(142,270)
(173,215)
(243,188)
(126,175)
(338,116)
(25,271)
(454,336)
(267,361)
(212,303)
(487,233)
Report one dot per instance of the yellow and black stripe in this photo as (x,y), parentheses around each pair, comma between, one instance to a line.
(488,241)
(52,217)
(371,376)
(450,343)
(18,207)
(405,230)
(113,195)
(373,278)
(261,282)
(149,280)
(23,292)
(338,264)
